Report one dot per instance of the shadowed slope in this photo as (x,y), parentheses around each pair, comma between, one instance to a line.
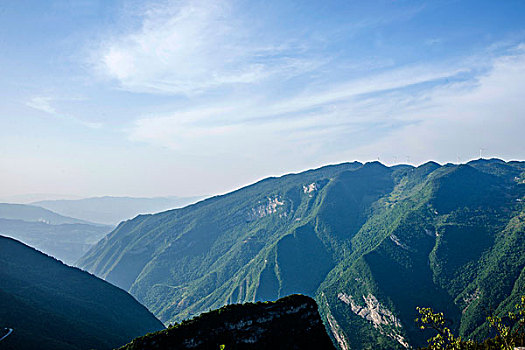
(53,306)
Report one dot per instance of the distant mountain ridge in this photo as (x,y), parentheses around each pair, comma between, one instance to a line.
(35,213)
(369,242)
(62,237)
(66,242)
(112,210)
(53,306)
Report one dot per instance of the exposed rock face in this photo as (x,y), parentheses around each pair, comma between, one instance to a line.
(338,334)
(310,188)
(265,209)
(374,312)
(292,322)
(398,242)
(469,298)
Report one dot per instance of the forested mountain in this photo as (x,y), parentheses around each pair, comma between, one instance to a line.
(289,323)
(369,242)
(50,305)
(112,210)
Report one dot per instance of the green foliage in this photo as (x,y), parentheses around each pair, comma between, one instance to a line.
(508,334)
(444,339)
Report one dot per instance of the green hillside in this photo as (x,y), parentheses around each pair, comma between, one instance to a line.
(289,323)
(369,242)
(50,305)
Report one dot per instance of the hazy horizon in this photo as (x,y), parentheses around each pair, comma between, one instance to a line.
(30,198)
(191,98)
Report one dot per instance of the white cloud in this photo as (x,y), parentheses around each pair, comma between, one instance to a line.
(379,116)
(41,103)
(459,121)
(180,130)
(393,79)
(46,104)
(190,46)
(334,106)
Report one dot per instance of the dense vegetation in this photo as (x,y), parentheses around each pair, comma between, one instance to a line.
(50,305)
(369,242)
(508,331)
(289,323)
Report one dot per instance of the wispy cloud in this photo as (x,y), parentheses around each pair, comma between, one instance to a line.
(367,116)
(46,104)
(186,47)
(323,103)
(42,103)
(459,121)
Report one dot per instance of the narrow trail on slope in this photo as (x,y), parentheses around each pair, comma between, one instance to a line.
(9,331)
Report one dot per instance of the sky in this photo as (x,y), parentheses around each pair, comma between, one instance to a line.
(158,98)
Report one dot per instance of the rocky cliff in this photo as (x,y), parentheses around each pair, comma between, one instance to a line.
(292,322)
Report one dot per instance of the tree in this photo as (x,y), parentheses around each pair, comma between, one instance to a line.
(510,331)
(444,339)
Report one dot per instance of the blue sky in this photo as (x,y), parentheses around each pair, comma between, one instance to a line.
(152,98)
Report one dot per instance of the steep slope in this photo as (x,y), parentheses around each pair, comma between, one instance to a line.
(53,306)
(198,255)
(292,322)
(112,210)
(66,242)
(369,242)
(436,246)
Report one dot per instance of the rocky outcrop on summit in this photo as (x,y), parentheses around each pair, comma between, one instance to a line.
(292,322)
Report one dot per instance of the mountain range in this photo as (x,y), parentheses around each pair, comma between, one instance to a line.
(112,210)
(64,238)
(33,213)
(369,242)
(49,305)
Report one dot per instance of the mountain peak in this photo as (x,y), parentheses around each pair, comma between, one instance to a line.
(292,322)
